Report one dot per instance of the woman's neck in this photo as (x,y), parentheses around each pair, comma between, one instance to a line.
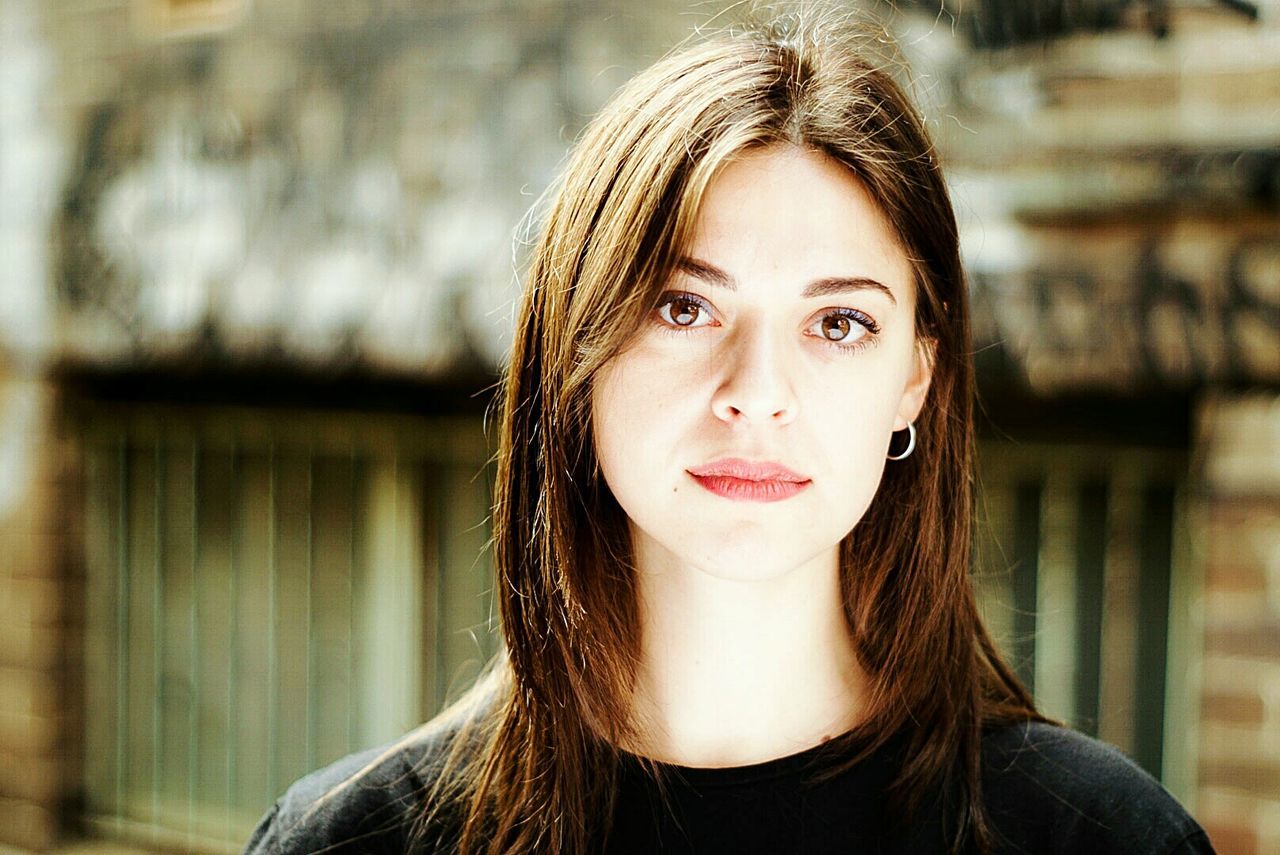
(739,671)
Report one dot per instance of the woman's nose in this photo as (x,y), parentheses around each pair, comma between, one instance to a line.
(755,382)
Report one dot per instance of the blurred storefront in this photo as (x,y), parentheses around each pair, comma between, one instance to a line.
(258,270)
(1116,168)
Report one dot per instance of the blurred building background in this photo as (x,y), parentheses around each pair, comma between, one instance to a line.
(258,263)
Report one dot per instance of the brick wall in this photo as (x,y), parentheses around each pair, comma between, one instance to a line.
(1239,777)
(38,672)
(38,710)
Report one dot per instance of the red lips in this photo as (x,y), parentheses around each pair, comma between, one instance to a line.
(747,480)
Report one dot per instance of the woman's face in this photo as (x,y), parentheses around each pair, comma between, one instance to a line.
(744,429)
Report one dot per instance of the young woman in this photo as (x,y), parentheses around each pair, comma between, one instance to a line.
(733,513)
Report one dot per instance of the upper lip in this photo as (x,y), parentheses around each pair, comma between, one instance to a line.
(747,470)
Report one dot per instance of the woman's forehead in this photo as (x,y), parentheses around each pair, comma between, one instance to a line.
(790,213)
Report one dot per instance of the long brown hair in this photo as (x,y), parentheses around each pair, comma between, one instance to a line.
(534,769)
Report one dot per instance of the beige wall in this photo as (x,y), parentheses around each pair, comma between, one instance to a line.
(1239,779)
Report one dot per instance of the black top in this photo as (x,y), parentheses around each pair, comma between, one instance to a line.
(1047,790)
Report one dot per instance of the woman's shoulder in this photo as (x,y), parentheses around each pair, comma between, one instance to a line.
(365,802)
(1052,789)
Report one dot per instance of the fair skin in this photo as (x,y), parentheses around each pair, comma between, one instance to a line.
(787,337)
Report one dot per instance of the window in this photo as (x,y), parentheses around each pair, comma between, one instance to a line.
(1081,580)
(267,592)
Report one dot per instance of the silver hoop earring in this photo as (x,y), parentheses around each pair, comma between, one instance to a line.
(911,444)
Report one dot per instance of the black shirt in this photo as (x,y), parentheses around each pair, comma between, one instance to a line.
(1047,790)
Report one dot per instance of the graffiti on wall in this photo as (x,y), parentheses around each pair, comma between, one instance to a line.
(1104,324)
(337,190)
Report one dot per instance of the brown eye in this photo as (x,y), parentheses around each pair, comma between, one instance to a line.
(836,327)
(848,329)
(684,312)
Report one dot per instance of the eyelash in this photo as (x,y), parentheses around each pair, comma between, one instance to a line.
(865,321)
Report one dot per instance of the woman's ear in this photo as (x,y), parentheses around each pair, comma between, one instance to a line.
(917,388)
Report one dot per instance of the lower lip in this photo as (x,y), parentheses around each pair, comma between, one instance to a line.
(742,490)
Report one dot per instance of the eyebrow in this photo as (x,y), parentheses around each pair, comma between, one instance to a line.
(823,287)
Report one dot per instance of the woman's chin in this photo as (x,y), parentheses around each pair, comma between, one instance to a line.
(747,560)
